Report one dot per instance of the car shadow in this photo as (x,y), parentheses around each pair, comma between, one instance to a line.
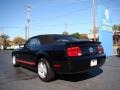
(22,73)
(80,77)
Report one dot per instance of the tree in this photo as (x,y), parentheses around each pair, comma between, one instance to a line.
(80,36)
(4,38)
(77,35)
(19,41)
(9,42)
(84,36)
(1,41)
(65,33)
(116,27)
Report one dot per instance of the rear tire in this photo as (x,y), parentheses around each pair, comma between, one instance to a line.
(14,63)
(44,70)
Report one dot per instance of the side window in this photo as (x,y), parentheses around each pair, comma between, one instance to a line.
(47,40)
(37,42)
(27,44)
(31,44)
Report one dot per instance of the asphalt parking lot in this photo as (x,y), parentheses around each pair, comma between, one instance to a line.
(106,78)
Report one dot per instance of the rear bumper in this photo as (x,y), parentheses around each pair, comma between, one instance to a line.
(79,64)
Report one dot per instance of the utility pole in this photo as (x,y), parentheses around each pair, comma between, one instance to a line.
(27,28)
(25,32)
(65,32)
(94,19)
(65,26)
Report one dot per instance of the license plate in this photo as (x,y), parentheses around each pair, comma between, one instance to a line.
(93,62)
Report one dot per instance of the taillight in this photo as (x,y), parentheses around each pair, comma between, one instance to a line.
(74,51)
(100,49)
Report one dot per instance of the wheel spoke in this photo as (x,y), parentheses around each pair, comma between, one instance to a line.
(42,71)
(42,66)
(14,60)
(45,70)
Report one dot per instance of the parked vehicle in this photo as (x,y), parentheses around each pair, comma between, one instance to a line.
(118,52)
(51,54)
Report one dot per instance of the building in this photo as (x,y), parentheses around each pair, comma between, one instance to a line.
(116,38)
(91,36)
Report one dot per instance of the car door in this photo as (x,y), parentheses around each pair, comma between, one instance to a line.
(33,48)
(29,52)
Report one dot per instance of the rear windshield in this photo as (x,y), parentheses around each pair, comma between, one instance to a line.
(65,38)
(58,38)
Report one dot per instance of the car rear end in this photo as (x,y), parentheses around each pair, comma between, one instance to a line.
(81,56)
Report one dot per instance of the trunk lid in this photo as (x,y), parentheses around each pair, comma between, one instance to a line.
(86,47)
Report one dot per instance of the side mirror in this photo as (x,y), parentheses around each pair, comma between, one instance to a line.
(25,46)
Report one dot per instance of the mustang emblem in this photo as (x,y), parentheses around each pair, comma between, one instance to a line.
(91,49)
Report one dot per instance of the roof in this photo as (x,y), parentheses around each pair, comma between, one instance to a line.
(49,35)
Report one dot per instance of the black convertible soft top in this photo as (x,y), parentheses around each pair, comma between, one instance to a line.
(52,38)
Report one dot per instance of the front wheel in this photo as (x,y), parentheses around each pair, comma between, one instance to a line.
(45,72)
(14,63)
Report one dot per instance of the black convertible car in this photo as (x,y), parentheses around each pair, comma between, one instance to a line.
(51,54)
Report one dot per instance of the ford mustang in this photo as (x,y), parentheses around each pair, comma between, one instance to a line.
(64,54)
